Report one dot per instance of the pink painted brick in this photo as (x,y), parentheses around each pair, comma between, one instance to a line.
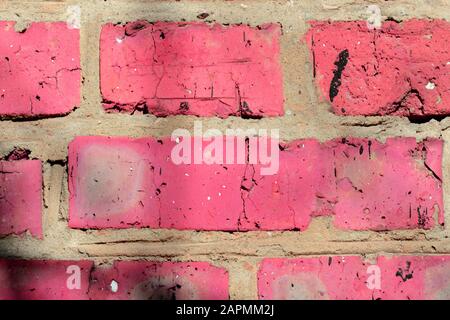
(388,186)
(302,188)
(40,70)
(21,197)
(122,183)
(200,196)
(170,68)
(142,280)
(364,184)
(349,277)
(111,183)
(44,279)
(401,69)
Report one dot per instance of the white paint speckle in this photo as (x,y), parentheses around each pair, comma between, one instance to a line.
(119,40)
(430,86)
(114,286)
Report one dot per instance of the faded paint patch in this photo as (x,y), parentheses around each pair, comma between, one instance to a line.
(146,280)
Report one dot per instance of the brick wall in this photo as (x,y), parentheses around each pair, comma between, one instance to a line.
(92,205)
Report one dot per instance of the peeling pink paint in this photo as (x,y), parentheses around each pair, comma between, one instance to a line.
(21,197)
(170,68)
(303,187)
(40,70)
(142,280)
(364,184)
(43,279)
(349,277)
(401,69)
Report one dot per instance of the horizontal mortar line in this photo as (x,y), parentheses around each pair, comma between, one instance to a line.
(183,242)
(265,249)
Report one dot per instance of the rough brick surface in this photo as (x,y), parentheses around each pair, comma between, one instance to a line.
(40,70)
(169,68)
(365,184)
(401,69)
(43,279)
(349,277)
(395,185)
(21,197)
(302,188)
(141,280)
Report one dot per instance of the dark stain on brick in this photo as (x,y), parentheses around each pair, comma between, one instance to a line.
(405,274)
(184,106)
(340,64)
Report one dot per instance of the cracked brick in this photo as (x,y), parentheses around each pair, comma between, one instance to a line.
(302,188)
(171,68)
(40,70)
(401,69)
(363,183)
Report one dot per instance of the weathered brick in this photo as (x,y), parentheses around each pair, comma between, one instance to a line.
(142,280)
(40,70)
(169,68)
(302,188)
(388,186)
(199,196)
(401,69)
(137,184)
(111,183)
(350,277)
(363,183)
(44,279)
(21,197)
